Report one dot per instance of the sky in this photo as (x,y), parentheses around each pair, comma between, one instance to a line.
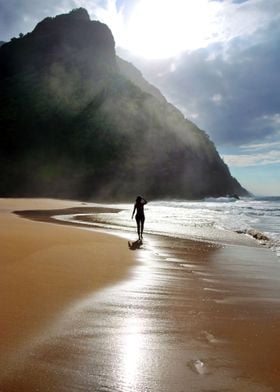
(216,60)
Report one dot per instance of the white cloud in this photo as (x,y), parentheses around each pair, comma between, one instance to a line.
(268,158)
(173,67)
(260,146)
(191,24)
(269,120)
(237,20)
(273,119)
(217,98)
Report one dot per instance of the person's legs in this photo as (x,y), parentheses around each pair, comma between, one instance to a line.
(142,225)
(138,225)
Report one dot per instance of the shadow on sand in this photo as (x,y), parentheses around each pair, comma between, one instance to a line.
(133,245)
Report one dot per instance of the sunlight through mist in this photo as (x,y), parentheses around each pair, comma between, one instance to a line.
(160,29)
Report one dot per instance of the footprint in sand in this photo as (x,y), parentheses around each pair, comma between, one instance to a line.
(209,338)
(198,367)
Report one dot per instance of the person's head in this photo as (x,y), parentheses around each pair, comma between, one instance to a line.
(138,199)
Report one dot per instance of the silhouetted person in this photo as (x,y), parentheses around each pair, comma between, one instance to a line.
(140,217)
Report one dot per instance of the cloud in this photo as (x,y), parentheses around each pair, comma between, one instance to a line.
(241,18)
(232,88)
(161,28)
(18,16)
(261,146)
(217,98)
(254,155)
(216,21)
(229,88)
(270,157)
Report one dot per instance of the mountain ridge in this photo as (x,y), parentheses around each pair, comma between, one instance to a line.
(80,122)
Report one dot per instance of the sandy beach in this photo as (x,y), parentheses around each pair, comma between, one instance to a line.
(81,312)
(44,268)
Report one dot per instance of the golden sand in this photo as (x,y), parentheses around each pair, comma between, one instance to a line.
(190,317)
(44,267)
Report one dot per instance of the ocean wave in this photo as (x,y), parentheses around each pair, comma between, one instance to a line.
(215,218)
(226,199)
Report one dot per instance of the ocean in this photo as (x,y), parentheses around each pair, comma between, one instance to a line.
(211,219)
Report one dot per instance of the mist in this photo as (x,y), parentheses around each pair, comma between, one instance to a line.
(86,124)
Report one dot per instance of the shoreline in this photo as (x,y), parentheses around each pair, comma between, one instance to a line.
(45,267)
(82,217)
(208,315)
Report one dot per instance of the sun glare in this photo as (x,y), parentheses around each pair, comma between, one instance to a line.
(164,28)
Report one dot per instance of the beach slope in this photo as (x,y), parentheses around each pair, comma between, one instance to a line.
(44,267)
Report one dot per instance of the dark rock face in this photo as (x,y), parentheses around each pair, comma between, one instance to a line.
(70,39)
(78,122)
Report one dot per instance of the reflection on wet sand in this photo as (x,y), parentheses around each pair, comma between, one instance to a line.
(185,320)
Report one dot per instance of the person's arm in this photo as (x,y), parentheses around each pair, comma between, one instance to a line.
(133,211)
(143,201)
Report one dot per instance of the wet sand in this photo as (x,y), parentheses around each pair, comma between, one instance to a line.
(43,269)
(189,316)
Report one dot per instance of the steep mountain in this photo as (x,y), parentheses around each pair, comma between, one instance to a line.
(134,75)
(76,121)
(2,43)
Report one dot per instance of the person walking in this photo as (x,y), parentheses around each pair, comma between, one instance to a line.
(140,217)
